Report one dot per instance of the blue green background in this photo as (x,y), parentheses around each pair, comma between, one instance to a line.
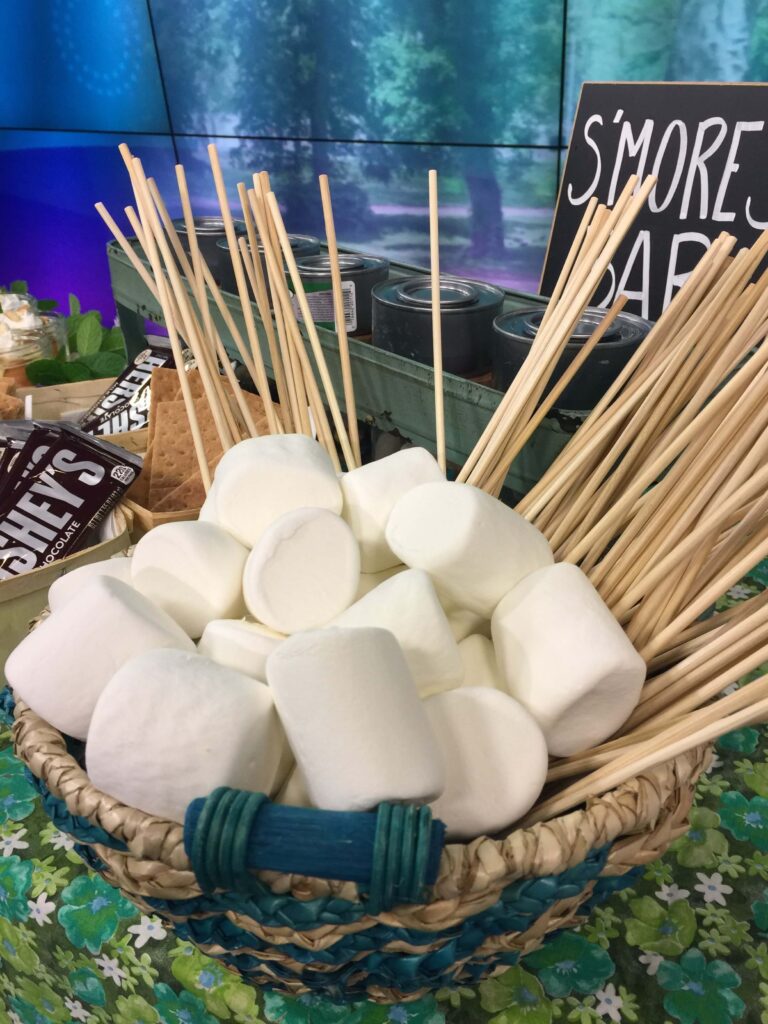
(373,92)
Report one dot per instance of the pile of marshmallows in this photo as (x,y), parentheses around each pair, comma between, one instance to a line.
(383,635)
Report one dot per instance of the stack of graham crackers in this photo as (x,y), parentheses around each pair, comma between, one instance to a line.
(170,481)
(11,408)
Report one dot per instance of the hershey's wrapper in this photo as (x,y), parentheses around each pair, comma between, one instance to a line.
(74,483)
(26,457)
(13,436)
(125,404)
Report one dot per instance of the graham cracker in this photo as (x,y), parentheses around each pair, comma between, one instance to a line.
(11,408)
(256,408)
(174,463)
(165,388)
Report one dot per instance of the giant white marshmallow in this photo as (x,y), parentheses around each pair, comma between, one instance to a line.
(294,792)
(241,645)
(303,571)
(260,479)
(408,607)
(495,757)
(464,623)
(207,513)
(62,666)
(71,583)
(193,571)
(474,547)
(172,726)
(370,580)
(370,494)
(354,720)
(478,660)
(565,657)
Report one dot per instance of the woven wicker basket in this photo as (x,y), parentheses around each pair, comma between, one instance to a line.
(495,899)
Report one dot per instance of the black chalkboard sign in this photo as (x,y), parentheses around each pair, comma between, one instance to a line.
(707,143)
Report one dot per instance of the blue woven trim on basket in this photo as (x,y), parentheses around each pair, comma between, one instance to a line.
(405,973)
(7,704)
(360,955)
(94,863)
(268,908)
(606,886)
(518,906)
(79,828)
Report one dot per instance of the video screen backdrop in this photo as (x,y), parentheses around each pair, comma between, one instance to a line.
(372,94)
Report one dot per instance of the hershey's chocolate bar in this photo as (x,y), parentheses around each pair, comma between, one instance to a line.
(13,437)
(125,403)
(74,483)
(26,457)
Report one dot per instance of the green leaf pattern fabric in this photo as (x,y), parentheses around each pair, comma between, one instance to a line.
(686,944)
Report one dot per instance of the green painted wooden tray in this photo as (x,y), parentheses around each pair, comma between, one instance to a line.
(392,392)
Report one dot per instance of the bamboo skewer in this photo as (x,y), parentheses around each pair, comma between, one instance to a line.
(676,740)
(437,327)
(519,441)
(283,297)
(138,230)
(298,395)
(341,325)
(191,330)
(549,344)
(202,297)
(255,273)
(309,324)
(309,408)
(144,201)
(198,266)
(642,369)
(679,721)
(696,688)
(294,378)
(498,413)
(260,378)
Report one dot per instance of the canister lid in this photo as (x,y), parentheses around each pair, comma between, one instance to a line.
(456,294)
(417,291)
(349,263)
(300,244)
(523,325)
(320,265)
(208,226)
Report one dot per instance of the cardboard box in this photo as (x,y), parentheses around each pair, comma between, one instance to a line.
(64,401)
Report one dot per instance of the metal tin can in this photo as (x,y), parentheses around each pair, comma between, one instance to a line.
(515,332)
(209,231)
(402,321)
(301,245)
(359,274)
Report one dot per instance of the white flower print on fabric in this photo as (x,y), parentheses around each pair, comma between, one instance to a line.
(40,910)
(148,928)
(712,888)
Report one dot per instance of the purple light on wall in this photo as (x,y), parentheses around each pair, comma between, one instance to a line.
(51,235)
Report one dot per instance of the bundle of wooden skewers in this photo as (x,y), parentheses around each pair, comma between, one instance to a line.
(184,287)
(660,497)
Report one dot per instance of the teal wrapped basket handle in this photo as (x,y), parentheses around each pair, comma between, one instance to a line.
(392,853)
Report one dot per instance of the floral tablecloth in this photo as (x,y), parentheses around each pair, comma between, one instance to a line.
(688,944)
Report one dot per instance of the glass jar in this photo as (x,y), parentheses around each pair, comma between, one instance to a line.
(19,348)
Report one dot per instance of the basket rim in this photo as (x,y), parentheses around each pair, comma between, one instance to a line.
(466,869)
